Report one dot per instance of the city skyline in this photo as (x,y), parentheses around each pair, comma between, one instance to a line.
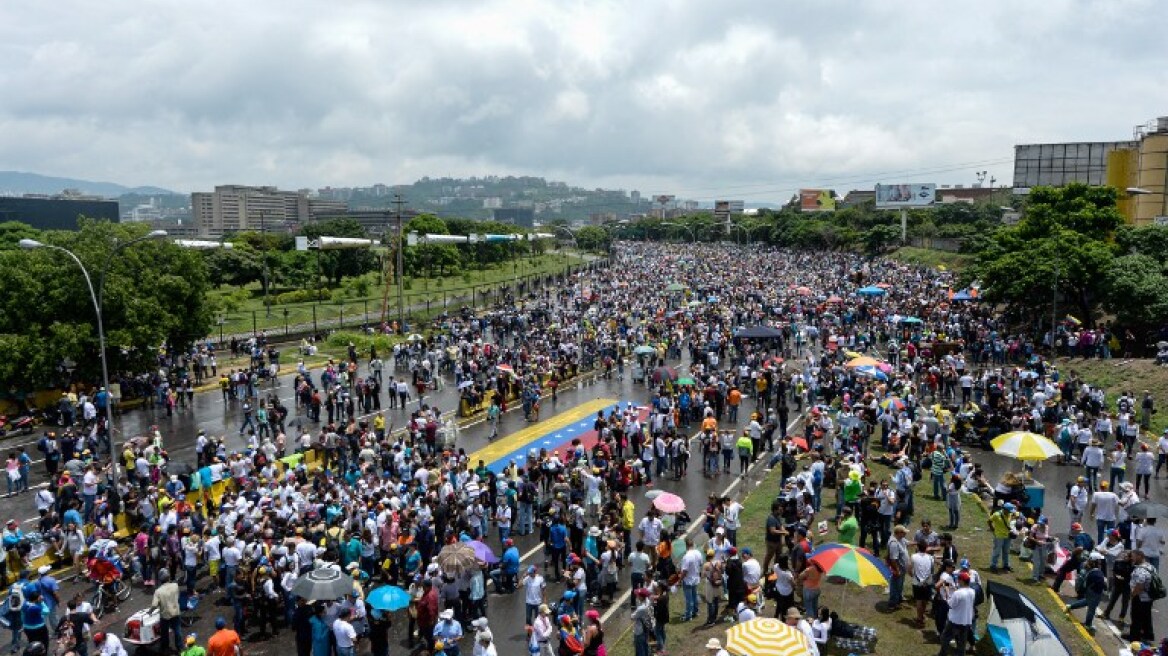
(704,102)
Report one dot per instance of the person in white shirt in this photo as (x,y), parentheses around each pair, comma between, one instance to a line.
(691,573)
(821,628)
(109,644)
(345,634)
(731,509)
(533,593)
(1092,462)
(1104,509)
(960,617)
(1150,540)
(795,619)
(1077,499)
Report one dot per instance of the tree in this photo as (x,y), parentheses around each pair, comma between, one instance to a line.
(424,258)
(1137,291)
(155,296)
(238,266)
(339,264)
(11,232)
(592,238)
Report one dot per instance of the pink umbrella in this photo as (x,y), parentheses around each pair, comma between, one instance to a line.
(669,503)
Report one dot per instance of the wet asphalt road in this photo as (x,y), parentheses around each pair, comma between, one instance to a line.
(506,613)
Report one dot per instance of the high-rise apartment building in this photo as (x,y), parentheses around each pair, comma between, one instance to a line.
(232,208)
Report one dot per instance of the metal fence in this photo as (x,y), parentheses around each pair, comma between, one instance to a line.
(296,321)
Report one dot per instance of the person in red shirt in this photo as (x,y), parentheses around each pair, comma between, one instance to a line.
(427,612)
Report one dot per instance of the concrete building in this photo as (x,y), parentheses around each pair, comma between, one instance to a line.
(233,208)
(56,212)
(1138,168)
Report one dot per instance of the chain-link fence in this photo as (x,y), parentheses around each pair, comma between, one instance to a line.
(298,320)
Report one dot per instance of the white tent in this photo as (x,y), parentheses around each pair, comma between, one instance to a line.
(1018,627)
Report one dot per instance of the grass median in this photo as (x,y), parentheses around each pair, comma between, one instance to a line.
(896,630)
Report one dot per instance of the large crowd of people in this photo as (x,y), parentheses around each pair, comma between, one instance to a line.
(383,505)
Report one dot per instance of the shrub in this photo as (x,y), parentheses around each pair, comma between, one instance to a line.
(301,296)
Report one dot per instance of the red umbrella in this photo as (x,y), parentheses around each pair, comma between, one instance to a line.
(799,442)
(803,291)
(773,361)
(834,299)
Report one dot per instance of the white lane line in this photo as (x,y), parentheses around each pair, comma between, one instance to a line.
(619,604)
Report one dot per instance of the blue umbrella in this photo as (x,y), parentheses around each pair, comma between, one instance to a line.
(388,598)
(871,291)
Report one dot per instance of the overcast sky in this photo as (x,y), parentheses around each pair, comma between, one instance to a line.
(703,99)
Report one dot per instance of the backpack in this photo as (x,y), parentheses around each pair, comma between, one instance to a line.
(1156,584)
(15,599)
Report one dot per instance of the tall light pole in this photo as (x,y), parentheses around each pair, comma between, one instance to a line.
(693,232)
(97,296)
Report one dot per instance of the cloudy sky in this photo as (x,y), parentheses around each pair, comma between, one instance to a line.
(699,98)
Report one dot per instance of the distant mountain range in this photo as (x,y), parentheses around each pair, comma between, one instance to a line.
(17,183)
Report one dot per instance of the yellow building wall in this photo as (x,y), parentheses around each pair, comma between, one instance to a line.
(1152,176)
(1122,166)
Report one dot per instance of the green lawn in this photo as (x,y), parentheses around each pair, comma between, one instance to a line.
(1117,376)
(896,630)
(932,258)
(422,297)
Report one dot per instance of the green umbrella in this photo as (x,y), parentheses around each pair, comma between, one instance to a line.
(910,320)
(686,381)
(645,349)
(675,287)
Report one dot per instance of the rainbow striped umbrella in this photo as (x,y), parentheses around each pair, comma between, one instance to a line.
(766,636)
(892,404)
(852,563)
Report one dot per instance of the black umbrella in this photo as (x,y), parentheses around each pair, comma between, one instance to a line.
(324,584)
(758,332)
(1146,509)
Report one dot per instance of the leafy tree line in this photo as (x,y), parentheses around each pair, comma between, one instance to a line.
(156,294)
(1071,242)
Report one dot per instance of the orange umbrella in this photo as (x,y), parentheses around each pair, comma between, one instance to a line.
(862,361)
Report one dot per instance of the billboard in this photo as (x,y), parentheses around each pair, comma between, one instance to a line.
(905,195)
(816,200)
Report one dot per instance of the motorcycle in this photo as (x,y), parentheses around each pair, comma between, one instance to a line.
(22,425)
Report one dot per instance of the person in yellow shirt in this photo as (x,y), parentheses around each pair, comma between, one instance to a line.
(628,520)
(379,426)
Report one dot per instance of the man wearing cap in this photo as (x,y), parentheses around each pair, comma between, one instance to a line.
(166,601)
(642,622)
(534,593)
(448,630)
(794,619)
(192,647)
(1094,585)
(506,575)
(1000,526)
(1104,509)
(224,642)
(1141,602)
(960,616)
(542,630)
(898,562)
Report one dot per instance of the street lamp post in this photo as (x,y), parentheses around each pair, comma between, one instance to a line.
(692,232)
(97,296)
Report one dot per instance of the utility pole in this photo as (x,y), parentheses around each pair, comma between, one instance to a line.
(1054,310)
(264,260)
(401,307)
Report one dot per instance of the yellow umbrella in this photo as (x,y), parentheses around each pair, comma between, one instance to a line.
(862,361)
(851,354)
(1022,445)
(765,636)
